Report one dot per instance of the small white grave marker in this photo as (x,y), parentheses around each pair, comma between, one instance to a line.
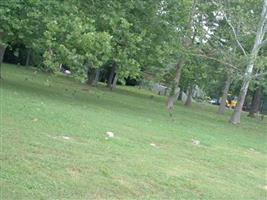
(110,134)
(195,142)
(66,137)
(153,145)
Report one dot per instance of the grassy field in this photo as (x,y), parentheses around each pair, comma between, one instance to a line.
(54,146)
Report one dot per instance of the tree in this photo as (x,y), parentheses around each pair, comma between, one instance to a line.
(256,101)
(259,42)
(259,83)
(226,88)
(193,77)
(9,23)
(240,18)
(25,22)
(71,39)
(112,17)
(187,39)
(2,52)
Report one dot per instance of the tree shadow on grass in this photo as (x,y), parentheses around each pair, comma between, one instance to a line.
(139,95)
(77,97)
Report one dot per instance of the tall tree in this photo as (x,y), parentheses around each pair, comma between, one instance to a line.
(226,88)
(2,51)
(187,39)
(256,101)
(252,56)
(25,22)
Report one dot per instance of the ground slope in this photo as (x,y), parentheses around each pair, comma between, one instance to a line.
(53,144)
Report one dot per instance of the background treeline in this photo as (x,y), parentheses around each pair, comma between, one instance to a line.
(217,46)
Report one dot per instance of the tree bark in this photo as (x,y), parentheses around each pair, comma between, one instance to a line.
(174,88)
(255,103)
(188,101)
(90,75)
(235,118)
(114,82)
(227,84)
(180,96)
(261,30)
(2,52)
(111,76)
(28,57)
(187,41)
(96,79)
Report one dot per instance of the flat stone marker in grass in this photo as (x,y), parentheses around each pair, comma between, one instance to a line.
(35,120)
(66,137)
(110,134)
(153,145)
(195,142)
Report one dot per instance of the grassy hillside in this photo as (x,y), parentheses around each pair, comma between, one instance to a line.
(54,146)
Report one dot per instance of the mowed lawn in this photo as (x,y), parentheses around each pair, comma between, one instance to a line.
(54,145)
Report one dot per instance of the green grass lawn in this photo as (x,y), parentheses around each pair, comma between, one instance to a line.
(54,146)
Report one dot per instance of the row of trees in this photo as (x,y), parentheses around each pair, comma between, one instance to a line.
(196,41)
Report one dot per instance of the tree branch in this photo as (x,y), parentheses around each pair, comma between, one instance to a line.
(259,74)
(215,59)
(232,27)
(235,35)
(264,42)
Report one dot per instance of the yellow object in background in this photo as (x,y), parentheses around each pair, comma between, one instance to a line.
(231,101)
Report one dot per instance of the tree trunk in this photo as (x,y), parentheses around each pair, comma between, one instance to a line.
(2,52)
(235,119)
(174,88)
(114,82)
(140,84)
(90,75)
(255,103)
(225,94)
(180,96)
(95,81)
(187,41)
(188,101)
(261,30)
(28,57)
(111,76)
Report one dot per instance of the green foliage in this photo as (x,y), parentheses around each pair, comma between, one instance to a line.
(138,36)
(73,41)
